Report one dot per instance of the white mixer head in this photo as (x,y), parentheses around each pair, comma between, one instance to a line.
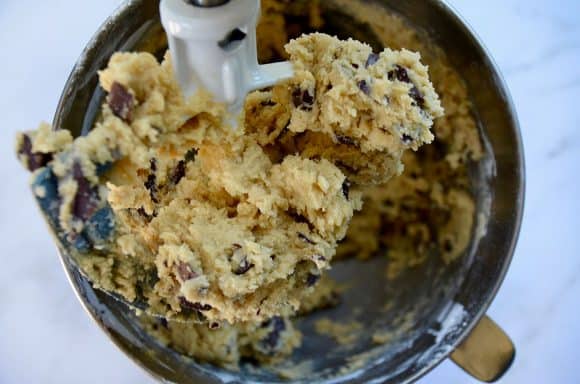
(213,46)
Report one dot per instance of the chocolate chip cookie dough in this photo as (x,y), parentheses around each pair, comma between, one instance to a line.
(359,109)
(165,204)
(425,212)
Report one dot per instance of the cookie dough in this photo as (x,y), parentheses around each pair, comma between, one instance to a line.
(264,343)
(434,190)
(166,205)
(359,109)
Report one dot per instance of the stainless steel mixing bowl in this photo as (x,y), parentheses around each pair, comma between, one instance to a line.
(444,305)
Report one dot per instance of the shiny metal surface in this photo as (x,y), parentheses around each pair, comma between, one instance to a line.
(207,3)
(447,302)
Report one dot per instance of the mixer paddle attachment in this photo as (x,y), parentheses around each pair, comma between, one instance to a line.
(213,46)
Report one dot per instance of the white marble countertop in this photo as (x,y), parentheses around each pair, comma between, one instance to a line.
(537,45)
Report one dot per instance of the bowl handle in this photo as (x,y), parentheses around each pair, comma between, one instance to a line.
(487,353)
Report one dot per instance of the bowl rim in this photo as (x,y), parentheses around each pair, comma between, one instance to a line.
(126,7)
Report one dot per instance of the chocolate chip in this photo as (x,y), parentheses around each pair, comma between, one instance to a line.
(297,217)
(191,155)
(267,103)
(87,199)
(163,322)
(350,168)
(346,189)
(364,86)
(312,279)
(214,325)
(307,98)
(406,139)
(320,257)
(151,185)
(303,99)
(372,59)
(447,245)
(244,267)
(100,226)
(400,74)
(49,200)
(185,272)
(304,238)
(153,165)
(272,339)
(121,102)
(202,307)
(417,96)
(198,307)
(141,211)
(346,140)
(178,173)
(34,160)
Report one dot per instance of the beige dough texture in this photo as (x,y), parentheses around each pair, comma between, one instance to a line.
(431,201)
(359,109)
(151,260)
(165,204)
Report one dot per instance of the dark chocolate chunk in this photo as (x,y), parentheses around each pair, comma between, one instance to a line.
(417,96)
(103,168)
(201,307)
(297,217)
(364,86)
(191,155)
(229,42)
(346,189)
(79,242)
(312,279)
(141,211)
(121,102)
(151,185)
(272,339)
(372,60)
(86,201)
(100,227)
(196,307)
(153,165)
(178,173)
(185,272)
(406,139)
(400,74)
(244,267)
(267,103)
(34,160)
(304,238)
(320,257)
(49,200)
(346,140)
(447,245)
(303,99)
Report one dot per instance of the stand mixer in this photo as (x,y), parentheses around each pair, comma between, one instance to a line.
(229,70)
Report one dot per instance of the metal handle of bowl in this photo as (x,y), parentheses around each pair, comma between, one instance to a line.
(487,353)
